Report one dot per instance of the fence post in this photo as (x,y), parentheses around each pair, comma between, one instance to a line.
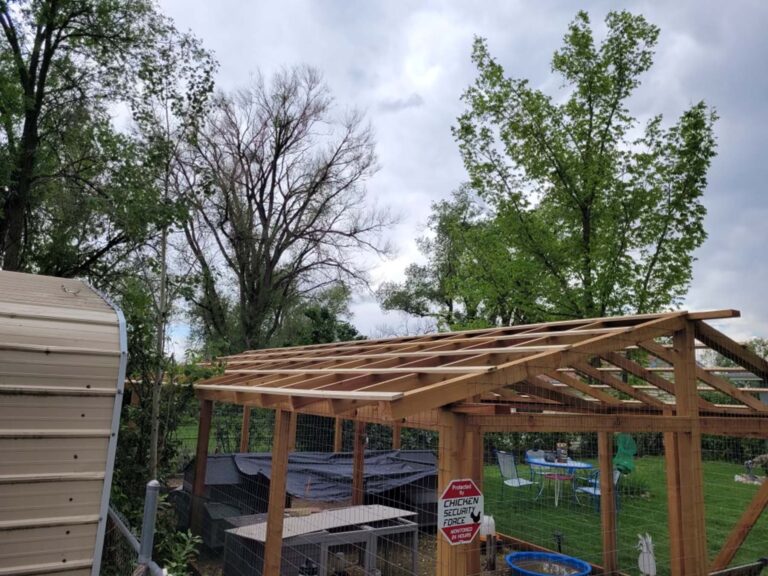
(148,523)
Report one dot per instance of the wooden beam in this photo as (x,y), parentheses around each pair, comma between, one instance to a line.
(641,372)
(631,423)
(427,353)
(338,435)
(456,389)
(201,463)
(358,465)
(716,382)
(396,436)
(737,426)
(674,512)
(691,480)
(451,560)
(619,385)
(305,393)
(543,389)
(472,461)
(273,547)
(714,314)
(607,503)
(245,430)
(742,529)
(732,350)
(583,387)
(292,433)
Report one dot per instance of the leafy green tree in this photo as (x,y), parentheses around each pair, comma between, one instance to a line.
(605,221)
(319,319)
(469,280)
(76,196)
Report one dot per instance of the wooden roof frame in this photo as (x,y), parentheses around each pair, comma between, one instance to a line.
(548,377)
(565,367)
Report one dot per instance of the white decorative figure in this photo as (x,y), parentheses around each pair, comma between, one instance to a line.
(646,561)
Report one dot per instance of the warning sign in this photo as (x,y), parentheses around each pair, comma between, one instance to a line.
(460,511)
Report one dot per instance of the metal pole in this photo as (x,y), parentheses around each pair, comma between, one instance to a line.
(148,523)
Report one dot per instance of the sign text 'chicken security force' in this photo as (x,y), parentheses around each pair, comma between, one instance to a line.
(459,511)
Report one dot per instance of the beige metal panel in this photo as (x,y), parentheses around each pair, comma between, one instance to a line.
(52,455)
(14,310)
(27,412)
(59,363)
(47,290)
(49,500)
(57,545)
(77,568)
(55,381)
(27,368)
(41,332)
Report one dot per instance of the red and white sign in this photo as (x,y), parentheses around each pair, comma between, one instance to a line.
(460,511)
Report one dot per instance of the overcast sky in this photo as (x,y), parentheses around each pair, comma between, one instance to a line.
(406,63)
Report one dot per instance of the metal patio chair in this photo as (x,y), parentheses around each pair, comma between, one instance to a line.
(508,469)
(593,488)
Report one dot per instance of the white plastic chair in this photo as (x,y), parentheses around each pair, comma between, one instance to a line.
(508,469)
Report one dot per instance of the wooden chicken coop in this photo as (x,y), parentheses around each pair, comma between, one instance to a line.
(547,377)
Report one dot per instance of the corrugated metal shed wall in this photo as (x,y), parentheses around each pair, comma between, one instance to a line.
(62,354)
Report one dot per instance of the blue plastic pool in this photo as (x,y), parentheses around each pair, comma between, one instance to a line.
(546,564)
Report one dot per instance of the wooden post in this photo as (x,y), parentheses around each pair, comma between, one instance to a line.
(245,432)
(742,529)
(607,502)
(396,429)
(292,433)
(273,546)
(674,512)
(358,465)
(473,465)
(453,464)
(338,435)
(691,481)
(201,463)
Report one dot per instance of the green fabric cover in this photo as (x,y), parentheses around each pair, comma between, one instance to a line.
(624,461)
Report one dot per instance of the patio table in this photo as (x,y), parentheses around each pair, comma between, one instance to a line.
(570,467)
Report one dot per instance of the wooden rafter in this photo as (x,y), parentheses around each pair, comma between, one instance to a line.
(734,351)
(402,377)
(716,382)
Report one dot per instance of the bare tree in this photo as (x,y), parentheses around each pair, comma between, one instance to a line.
(275,184)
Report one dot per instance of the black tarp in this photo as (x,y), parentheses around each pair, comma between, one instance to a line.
(324,476)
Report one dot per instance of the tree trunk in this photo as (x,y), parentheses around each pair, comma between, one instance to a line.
(17,203)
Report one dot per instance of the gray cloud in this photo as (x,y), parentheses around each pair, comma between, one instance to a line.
(398,104)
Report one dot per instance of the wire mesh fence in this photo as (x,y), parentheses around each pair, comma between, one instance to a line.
(119,557)
(555,508)
(122,553)
(668,484)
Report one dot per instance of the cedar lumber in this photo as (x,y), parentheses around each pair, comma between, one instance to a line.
(273,546)
(607,503)
(742,529)
(358,465)
(201,464)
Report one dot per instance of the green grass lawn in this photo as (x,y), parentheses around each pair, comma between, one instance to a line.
(519,514)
